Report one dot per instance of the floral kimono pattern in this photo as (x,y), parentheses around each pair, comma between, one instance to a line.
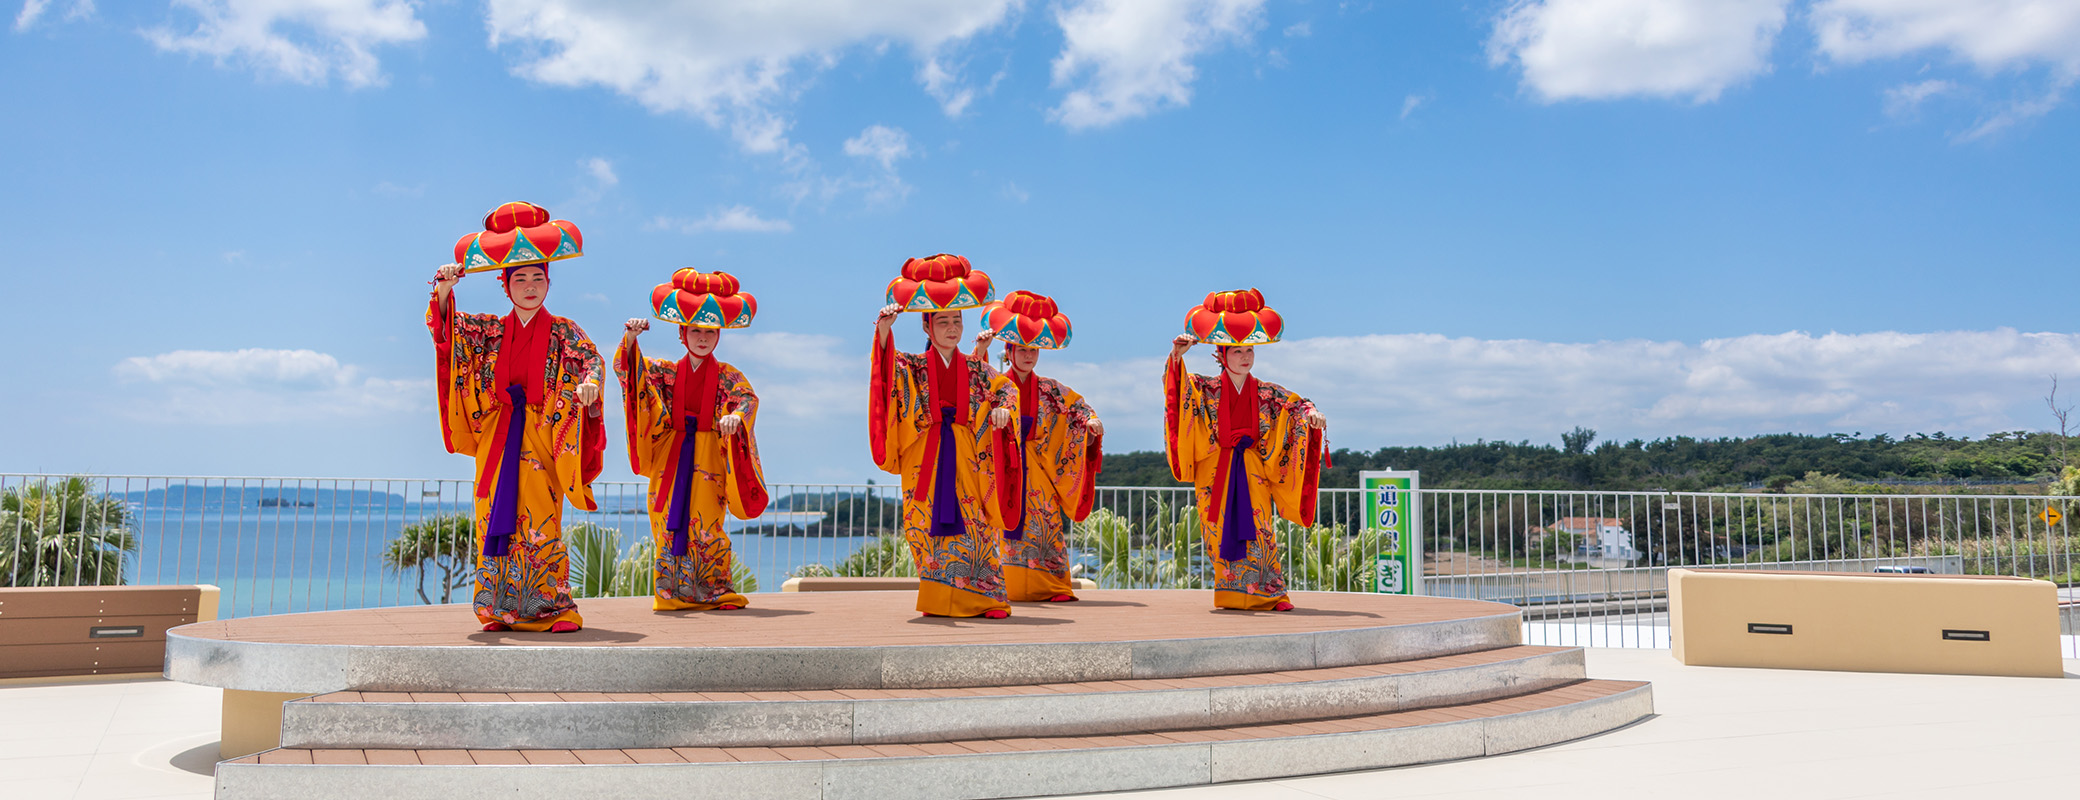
(1282,469)
(726,477)
(1062,458)
(961,575)
(528,587)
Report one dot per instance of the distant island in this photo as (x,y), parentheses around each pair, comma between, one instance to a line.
(1681,463)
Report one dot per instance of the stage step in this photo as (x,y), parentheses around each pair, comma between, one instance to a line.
(980,767)
(592,720)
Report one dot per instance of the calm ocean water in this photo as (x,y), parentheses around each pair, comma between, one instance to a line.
(275,561)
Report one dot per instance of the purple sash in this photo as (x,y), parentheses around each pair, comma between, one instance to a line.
(1238,519)
(505,499)
(682,485)
(946,505)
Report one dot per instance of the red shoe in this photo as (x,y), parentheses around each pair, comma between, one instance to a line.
(1282,606)
(497,626)
(727,607)
(564,626)
(1062,598)
(996,613)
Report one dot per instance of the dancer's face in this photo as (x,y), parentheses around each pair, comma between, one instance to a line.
(945,328)
(1023,358)
(528,287)
(1238,360)
(699,341)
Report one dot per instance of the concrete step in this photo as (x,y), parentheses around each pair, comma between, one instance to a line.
(988,767)
(592,720)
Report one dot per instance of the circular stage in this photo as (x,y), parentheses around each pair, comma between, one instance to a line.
(824,640)
(854,695)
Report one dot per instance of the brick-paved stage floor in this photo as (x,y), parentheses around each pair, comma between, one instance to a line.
(855,619)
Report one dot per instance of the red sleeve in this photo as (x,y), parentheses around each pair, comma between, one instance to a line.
(440,319)
(1173,391)
(1010,463)
(631,369)
(592,444)
(1087,494)
(879,384)
(1314,459)
(748,485)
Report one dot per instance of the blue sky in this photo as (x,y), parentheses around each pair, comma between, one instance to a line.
(1481,220)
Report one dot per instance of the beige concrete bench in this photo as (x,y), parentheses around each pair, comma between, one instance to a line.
(1864,622)
(880,584)
(69,631)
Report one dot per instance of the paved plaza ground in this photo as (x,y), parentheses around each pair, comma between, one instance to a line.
(1731,733)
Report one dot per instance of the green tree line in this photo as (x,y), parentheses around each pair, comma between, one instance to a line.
(1676,463)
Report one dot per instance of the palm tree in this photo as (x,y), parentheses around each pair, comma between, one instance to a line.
(1168,557)
(1324,558)
(888,556)
(59,533)
(635,575)
(592,548)
(445,542)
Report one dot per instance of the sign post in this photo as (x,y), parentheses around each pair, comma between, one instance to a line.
(1394,510)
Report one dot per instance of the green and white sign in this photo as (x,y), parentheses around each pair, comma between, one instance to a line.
(1395,510)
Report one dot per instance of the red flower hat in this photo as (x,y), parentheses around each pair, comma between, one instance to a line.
(699,299)
(516,235)
(1234,318)
(1024,318)
(940,283)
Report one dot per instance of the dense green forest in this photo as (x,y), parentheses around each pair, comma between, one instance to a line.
(1679,463)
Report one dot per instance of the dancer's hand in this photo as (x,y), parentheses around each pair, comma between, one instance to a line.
(983,339)
(885,320)
(588,393)
(634,327)
(1316,421)
(729,424)
(999,417)
(1096,427)
(1182,343)
(444,279)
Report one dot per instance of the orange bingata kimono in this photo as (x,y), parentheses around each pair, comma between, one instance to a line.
(535,448)
(1242,468)
(1062,458)
(928,421)
(674,412)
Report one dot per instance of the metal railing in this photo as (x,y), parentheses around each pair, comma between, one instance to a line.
(1587,567)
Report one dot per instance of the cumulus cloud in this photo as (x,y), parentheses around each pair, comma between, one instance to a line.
(32,10)
(1605,49)
(255,385)
(1989,34)
(735,64)
(305,41)
(1905,99)
(1992,36)
(735,219)
(1123,59)
(1410,103)
(1431,389)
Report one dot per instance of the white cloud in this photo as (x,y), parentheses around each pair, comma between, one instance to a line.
(1604,49)
(1990,34)
(1411,102)
(735,64)
(738,219)
(1130,58)
(32,10)
(601,171)
(1299,30)
(1014,193)
(1905,99)
(880,143)
(304,41)
(254,386)
(2015,113)
(1430,389)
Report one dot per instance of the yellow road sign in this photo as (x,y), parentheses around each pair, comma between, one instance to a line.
(2051,515)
